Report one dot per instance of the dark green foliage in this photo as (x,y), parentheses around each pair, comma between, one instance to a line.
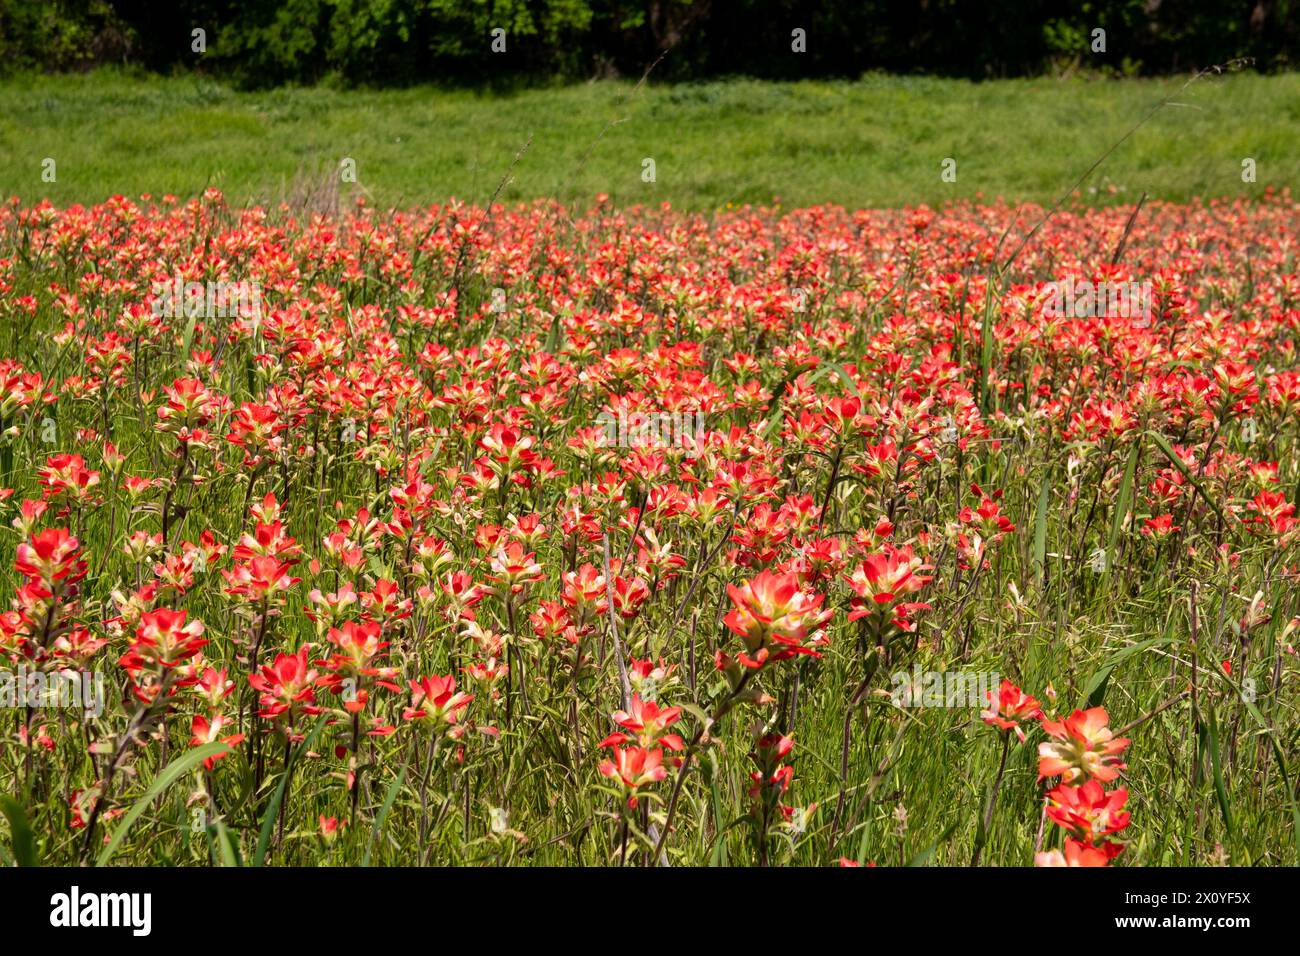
(401,42)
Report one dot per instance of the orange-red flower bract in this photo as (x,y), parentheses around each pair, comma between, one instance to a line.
(287,685)
(1010,708)
(1076,854)
(880,580)
(1082,746)
(634,768)
(164,639)
(774,615)
(436,700)
(1089,813)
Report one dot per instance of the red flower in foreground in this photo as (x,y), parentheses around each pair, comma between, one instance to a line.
(329,827)
(988,518)
(888,575)
(1076,854)
(261,578)
(635,767)
(1089,813)
(648,722)
(163,640)
(51,555)
(287,684)
(881,579)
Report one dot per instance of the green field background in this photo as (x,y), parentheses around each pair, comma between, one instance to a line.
(878,141)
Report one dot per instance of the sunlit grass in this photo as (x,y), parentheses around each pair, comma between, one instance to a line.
(879,141)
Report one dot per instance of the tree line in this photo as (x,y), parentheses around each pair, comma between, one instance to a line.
(259,43)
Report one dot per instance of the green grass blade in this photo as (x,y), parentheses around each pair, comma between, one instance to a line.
(378,830)
(864,846)
(170,774)
(926,855)
(1122,503)
(273,809)
(1040,532)
(187,338)
(1163,444)
(1211,730)
(20,832)
(986,349)
(1095,690)
(221,839)
(843,373)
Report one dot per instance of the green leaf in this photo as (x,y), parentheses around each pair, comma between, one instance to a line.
(926,855)
(188,337)
(379,568)
(1122,503)
(864,846)
(220,838)
(20,832)
(698,713)
(719,856)
(1040,531)
(389,797)
(170,774)
(553,336)
(1211,731)
(1095,690)
(1163,444)
(273,809)
(839,370)
(986,346)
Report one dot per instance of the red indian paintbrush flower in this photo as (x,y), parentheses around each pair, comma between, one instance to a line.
(647,721)
(515,568)
(1082,745)
(164,639)
(1010,708)
(286,685)
(67,475)
(50,556)
(355,665)
(207,731)
(260,578)
(1076,854)
(885,577)
(436,700)
(774,615)
(1090,814)
(634,768)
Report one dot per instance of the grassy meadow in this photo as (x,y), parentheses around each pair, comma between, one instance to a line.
(879,141)
(389,477)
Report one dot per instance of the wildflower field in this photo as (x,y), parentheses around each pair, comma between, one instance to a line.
(540,534)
